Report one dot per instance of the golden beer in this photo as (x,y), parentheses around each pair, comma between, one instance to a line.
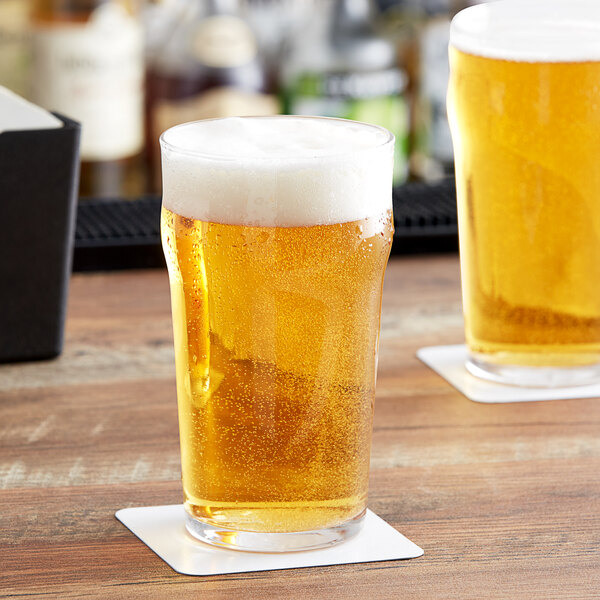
(276,370)
(276,325)
(527,140)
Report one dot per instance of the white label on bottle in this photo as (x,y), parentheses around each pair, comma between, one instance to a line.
(224,41)
(213,104)
(93,73)
(14,46)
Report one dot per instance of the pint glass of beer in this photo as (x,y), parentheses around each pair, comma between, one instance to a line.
(524,108)
(276,232)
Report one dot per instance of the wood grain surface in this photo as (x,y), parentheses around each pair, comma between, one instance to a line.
(504,499)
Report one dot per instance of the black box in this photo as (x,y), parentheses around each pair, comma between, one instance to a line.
(39,179)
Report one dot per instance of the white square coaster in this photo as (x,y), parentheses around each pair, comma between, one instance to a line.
(449,362)
(162,529)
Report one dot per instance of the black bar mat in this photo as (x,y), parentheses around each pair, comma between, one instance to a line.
(425,218)
(125,234)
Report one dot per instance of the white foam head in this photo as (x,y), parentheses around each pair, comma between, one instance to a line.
(277,171)
(530,30)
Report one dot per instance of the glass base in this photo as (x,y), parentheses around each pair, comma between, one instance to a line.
(539,377)
(255,541)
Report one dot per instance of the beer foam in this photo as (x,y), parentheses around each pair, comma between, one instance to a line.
(277,171)
(530,30)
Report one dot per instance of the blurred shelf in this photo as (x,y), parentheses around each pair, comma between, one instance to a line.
(116,234)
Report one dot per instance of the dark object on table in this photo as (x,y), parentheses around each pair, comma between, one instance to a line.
(123,234)
(38,184)
(118,234)
(425,218)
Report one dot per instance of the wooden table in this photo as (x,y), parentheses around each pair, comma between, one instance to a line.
(504,499)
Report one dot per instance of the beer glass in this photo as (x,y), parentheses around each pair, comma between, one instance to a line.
(276,232)
(524,110)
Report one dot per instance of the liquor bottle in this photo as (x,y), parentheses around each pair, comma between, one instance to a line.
(401,21)
(433,156)
(159,18)
(88,64)
(339,66)
(15,55)
(274,22)
(208,67)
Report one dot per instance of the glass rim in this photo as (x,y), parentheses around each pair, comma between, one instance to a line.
(548,31)
(165,144)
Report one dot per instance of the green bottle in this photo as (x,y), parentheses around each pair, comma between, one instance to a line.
(338,66)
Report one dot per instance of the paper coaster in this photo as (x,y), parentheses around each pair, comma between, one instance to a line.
(449,362)
(162,529)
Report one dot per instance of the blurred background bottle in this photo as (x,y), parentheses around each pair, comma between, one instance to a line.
(432,157)
(88,63)
(15,51)
(432,154)
(401,21)
(207,66)
(159,18)
(275,23)
(339,66)
(129,69)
